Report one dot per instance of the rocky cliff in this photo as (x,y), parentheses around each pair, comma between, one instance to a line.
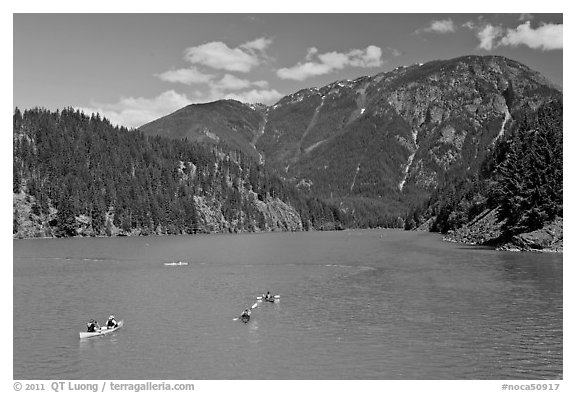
(275,215)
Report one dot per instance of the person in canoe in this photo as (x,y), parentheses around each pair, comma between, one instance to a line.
(111,322)
(245,316)
(92,326)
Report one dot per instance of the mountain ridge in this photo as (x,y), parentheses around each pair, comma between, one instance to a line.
(391,138)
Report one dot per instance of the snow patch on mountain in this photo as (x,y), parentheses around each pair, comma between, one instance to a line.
(406,170)
(507,118)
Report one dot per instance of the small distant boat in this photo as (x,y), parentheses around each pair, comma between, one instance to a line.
(179,263)
(102,331)
(270,299)
(246,317)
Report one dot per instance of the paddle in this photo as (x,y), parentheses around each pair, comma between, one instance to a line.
(262,297)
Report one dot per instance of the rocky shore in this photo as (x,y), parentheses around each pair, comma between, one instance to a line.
(547,239)
(487,230)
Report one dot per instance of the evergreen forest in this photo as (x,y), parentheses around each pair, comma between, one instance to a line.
(521,177)
(77,170)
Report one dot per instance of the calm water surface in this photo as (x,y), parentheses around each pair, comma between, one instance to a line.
(354,305)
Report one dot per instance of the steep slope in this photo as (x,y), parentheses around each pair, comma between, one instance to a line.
(381,143)
(516,200)
(424,119)
(227,122)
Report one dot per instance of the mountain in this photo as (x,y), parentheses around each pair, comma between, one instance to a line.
(226,122)
(78,175)
(378,144)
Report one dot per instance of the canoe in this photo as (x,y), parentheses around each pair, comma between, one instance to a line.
(103,331)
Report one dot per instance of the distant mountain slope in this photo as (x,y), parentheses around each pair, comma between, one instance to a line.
(381,143)
(230,122)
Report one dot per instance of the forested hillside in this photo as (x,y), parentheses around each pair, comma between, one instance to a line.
(519,185)
(78,175)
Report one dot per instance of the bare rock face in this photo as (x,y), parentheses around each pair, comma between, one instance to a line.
(276,215)
(31,223)
(279,216)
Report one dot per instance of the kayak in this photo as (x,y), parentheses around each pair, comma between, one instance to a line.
(246,317)
(271,299)
(103,331)
(179,263)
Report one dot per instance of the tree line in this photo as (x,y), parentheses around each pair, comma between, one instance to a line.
(82,165)
(522,177)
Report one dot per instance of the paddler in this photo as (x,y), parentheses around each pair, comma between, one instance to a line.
(245,313)
(268,296)
(111,322)
(92,326)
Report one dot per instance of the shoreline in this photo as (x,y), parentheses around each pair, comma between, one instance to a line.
(509,247)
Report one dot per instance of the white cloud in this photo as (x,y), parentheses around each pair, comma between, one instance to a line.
(488,35)
(187,76)
(545,37)
(334,59)
(134,112)
(303,71)
(331,61)
(219,56)
(439,26)
(311,52)
(259,44)
(231,86)
(255,96)
(231,82)
(261,84)
(371,57)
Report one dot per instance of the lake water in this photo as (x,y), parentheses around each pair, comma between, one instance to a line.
(378,304)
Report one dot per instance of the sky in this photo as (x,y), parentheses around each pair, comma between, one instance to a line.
(134,68)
